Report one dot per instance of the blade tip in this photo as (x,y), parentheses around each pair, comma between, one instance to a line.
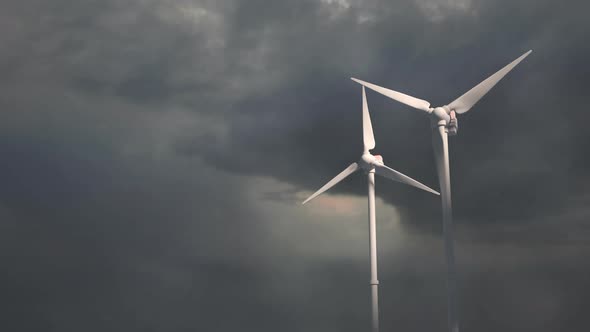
(527,53)
(361,82)
(432,191)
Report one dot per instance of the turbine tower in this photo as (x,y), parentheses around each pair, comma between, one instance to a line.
(444,123)
(371,164)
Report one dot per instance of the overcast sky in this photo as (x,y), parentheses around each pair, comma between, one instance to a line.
(154,154)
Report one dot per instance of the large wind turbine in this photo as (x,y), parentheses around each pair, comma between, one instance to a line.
(371,164)
(444,123)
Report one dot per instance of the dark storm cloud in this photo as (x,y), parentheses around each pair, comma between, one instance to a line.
(502,150)
(153,153)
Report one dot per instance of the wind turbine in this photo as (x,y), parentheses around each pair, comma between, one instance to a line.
(371,164)
(444,123)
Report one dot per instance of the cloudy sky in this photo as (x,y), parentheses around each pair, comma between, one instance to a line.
(154,154)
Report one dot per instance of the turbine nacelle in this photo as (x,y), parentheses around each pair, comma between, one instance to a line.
(445,116)
(369,161)
(453,124)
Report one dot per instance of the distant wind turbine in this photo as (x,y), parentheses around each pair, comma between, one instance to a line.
(444,123)
(371,164)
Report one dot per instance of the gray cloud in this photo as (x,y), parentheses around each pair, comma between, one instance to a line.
(155,152)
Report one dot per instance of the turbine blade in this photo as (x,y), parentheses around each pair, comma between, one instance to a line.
(368,137)
(401,97)
(467,100)
(394,175)
(441,154)
(349,170)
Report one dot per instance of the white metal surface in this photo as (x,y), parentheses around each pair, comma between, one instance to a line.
(401,97)
(374,282)
(441,151)
(349,170)
(368,137)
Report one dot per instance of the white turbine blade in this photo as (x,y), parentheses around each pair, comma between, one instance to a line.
(349,170)
(467,100)
(394,175)
(401,97)
(441,154)
(368,137)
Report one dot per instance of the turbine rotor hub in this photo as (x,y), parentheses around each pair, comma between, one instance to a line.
(368,161)
(442,113)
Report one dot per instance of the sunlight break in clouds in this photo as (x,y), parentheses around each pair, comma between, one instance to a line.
(330,226)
